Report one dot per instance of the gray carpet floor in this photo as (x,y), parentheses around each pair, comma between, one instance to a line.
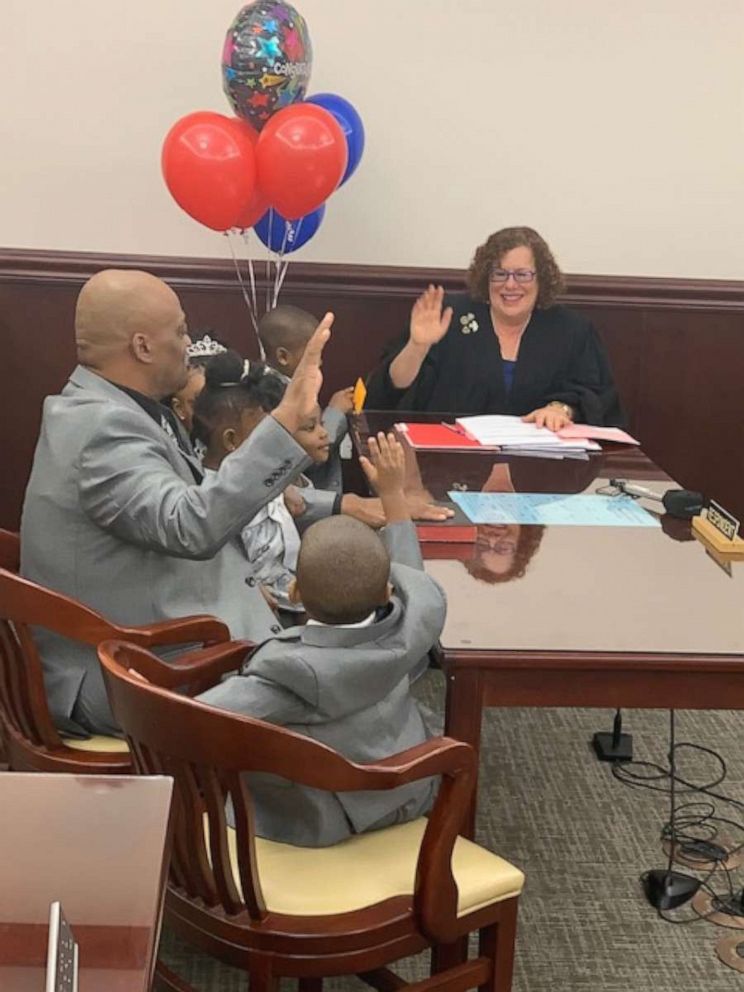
(582,839)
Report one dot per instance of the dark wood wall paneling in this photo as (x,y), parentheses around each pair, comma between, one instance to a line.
(677,347)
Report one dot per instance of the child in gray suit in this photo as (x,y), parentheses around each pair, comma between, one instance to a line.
(284,333)
(344,678)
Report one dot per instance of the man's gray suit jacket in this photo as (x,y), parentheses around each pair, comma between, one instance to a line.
(114,518)
(348,687)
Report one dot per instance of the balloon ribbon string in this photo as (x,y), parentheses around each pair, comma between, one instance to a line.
(252,276)
(279,282)
(268,259)
(241,282)
(279,262)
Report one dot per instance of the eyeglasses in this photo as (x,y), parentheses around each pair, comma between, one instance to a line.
(520,275)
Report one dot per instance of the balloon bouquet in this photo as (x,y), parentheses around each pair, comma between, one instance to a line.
(273,166)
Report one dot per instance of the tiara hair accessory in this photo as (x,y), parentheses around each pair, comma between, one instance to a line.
(205,347)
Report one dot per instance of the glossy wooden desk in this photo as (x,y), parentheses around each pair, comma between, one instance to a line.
(578,616)
(98,844)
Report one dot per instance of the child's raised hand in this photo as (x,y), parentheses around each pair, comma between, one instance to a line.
(385,468)
(343,400)
(301,396)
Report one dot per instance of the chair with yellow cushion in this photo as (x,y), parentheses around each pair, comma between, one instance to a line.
(282,911)
(32,742)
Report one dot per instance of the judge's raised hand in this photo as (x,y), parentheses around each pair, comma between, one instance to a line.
(552,417)
(429,322)
(301,396)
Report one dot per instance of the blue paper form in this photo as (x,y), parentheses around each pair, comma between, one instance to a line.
(580,510)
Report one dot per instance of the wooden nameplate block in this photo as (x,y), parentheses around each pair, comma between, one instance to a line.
(719,530)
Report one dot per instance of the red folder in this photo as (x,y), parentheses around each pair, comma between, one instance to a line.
(446,533)
(438,437)
(456,530)
(448,552)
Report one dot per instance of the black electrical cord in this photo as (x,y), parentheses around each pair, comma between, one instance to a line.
(699,816)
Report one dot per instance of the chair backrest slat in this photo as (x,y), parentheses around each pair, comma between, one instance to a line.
(214,796)
(190,825)
(11,667)
(10,550)
(246,845)
(22,690)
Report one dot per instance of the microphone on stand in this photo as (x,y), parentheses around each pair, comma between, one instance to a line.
(683,503)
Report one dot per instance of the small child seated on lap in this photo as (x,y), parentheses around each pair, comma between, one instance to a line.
(344,679)
(284,333)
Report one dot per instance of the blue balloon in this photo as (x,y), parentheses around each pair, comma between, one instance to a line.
(285,236)
(351,124)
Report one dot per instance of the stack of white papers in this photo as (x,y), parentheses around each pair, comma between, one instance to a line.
(512,434)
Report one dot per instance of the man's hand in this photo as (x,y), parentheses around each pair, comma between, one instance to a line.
(368,509)
(343,400)
(421,508)
(294,501)
(301,396)
(552,417)
(428,323)
(269,597)
(385,468)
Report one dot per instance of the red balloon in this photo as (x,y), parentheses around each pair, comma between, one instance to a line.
(209,167)
(259,202)
(254,211)
(301,157)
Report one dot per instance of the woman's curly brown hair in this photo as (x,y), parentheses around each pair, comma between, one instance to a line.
(527,544)
(550,281)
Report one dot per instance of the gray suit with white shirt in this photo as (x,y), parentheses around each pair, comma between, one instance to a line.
(348,687)
(115,516)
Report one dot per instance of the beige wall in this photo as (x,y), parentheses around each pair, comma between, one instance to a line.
(615,128)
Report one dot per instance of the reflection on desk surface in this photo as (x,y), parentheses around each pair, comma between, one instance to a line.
(574,588)
(592,589)
(97,844)
(439,472)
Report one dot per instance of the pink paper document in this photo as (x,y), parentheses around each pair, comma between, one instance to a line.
(596,433)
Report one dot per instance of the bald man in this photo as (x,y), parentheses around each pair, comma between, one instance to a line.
(117,512)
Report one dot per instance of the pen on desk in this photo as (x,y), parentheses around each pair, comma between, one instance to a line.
(451,427)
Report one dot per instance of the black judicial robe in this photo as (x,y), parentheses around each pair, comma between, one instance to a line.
(560,358)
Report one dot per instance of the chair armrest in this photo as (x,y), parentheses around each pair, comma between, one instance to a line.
(435,893)
(437,756)
(204,629)
(204,665)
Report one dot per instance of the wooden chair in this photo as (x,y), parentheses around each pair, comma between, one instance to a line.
(32,742)
(282,911)
(10,550)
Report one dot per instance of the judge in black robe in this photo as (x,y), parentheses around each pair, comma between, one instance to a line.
(560,362)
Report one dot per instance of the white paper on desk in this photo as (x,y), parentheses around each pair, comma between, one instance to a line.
(513,432)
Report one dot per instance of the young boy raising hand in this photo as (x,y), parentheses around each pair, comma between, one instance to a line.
(344,678)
